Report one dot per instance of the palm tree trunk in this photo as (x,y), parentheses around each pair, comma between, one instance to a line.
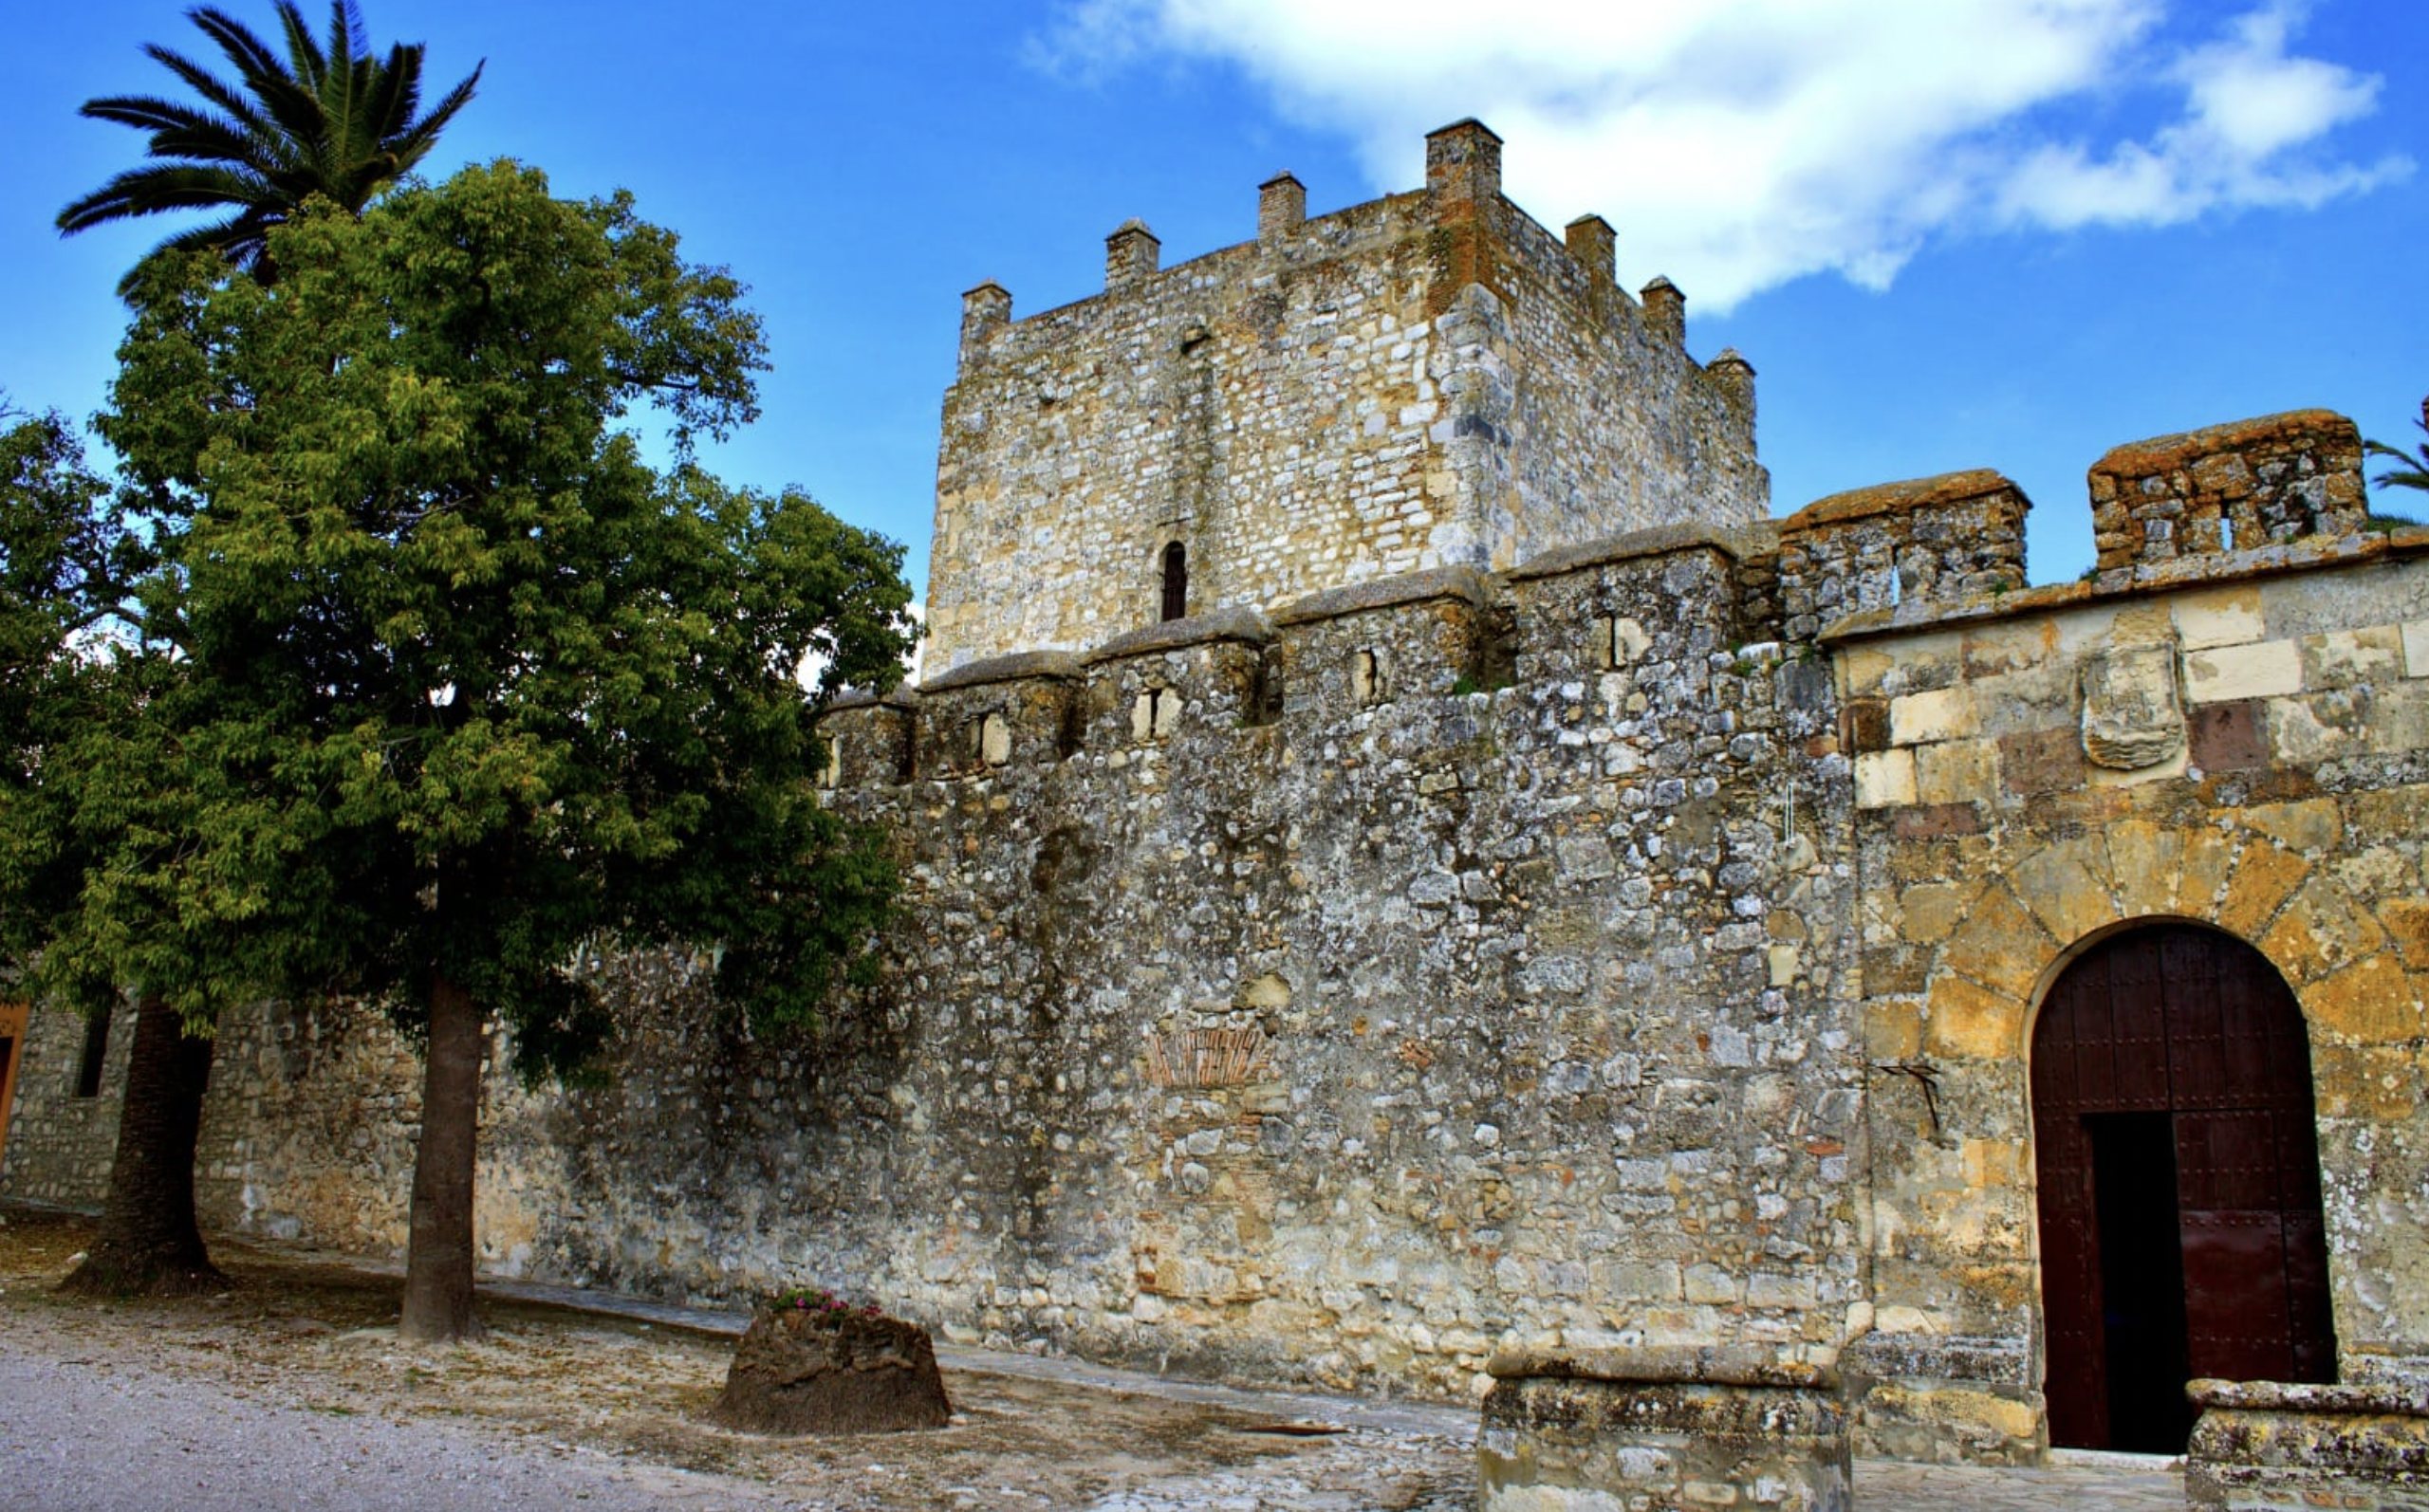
(149,1241)
(438,1251)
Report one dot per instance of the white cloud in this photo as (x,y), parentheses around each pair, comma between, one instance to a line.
(1736,145)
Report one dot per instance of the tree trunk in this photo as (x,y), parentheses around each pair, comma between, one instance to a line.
(149,1242)
(438,1253)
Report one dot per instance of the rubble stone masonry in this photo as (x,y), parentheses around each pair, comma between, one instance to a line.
(1429,379)
(1529,903)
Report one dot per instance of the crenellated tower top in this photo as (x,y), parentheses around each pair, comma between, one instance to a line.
(1428,379)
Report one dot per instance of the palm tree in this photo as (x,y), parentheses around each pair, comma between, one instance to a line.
(330,120)
(2409,471)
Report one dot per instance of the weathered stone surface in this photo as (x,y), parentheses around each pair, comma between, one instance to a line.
(1641,947)
(2132,717)
(1426,380)
(2229,487)
(2266,1446)
(815,1365)
(1661,1431)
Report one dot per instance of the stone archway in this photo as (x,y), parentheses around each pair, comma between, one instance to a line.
(2177,1186)
(1950,1158)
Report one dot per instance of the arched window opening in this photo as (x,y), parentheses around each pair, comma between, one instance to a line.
(1176,580)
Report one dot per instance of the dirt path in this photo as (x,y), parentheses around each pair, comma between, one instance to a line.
(292,1389)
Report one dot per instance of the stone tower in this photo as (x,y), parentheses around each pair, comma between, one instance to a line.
(1427,379)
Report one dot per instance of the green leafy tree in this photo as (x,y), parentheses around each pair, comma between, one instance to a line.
(2411,470)
(64,568)
(329,121)
(508,691)
(332,121)
(98,890)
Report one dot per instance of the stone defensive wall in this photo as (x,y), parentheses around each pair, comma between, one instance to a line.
(1429,379)
(1640,947)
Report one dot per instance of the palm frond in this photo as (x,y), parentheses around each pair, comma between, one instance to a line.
(2410,471)
(236,41)
(417,139)
(213,90)
(331,117)
(158,187)
(242,239)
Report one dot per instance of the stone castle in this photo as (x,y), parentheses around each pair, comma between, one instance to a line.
(1411,867)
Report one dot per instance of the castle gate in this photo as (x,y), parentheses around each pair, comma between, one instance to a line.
(2180,1201)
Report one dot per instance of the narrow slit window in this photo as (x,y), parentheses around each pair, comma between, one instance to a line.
(1366,679)
(1176,580)
(97,1049)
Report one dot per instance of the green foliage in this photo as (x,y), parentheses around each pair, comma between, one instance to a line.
(53,550)
(2410,471)
(331,120)
(473,686)
(123,836)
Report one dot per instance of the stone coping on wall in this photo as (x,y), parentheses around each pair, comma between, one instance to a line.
(2374,1398)
(1658,540)
(2266,1446)
(2162,453)
(901,695)
(2137,581)
(1387,592)
(1908,497)
(1707,1365)
(1012,668)
(1244,626)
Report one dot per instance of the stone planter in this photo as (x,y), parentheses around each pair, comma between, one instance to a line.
(1662,1431)
(830,1369)
(2266,1446)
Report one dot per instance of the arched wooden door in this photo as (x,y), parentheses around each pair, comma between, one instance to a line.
(2178,1165)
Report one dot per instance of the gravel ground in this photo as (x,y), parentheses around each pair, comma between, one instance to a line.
(293,1390)
(90,1435)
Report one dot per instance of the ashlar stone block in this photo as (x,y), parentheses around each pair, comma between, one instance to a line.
(2266,669)
(1943,713)
(2222,616)
(1885,779)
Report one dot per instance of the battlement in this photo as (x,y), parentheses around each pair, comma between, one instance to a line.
(2229,487)
(1901,554)
(1429,379)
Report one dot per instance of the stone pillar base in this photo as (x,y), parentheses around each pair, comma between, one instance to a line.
(2269,1447)
(1660,1430)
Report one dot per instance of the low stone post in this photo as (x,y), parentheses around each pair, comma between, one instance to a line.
(2274,1447)
(1662,1431)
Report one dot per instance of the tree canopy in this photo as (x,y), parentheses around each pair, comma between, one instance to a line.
(329,121)
(474,683)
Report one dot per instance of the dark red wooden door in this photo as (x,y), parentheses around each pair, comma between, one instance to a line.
(2179,1167)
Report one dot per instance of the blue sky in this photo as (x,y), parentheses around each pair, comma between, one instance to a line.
(1948,234)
